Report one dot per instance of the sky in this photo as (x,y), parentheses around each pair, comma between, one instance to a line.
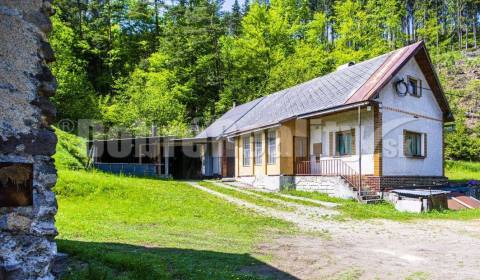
(227,5)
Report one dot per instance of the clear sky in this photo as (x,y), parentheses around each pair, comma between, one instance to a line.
(227,5)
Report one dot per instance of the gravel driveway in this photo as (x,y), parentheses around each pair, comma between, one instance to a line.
(372,249)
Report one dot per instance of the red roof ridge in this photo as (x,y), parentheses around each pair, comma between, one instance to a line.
(385,72)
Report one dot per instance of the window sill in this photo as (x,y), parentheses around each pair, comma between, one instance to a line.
(342,156)
(415,157)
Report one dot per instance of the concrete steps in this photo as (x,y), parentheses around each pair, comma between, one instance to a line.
(369,197)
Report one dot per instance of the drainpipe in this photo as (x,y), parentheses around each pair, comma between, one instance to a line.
(359,151)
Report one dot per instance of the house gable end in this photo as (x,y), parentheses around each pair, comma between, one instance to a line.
(424,105)
(388,71)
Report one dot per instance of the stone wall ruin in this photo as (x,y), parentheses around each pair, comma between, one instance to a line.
(27,232)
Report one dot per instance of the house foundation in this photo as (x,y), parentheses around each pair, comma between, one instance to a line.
(331,185)
(386,183)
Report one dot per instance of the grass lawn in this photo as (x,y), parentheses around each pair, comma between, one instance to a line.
(462,171)
(246,197)
(132,228)
(354,210)
(117,227)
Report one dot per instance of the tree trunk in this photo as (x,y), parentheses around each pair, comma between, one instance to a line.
(157,26)
(459,25)
(475,14)
(466,36)
(437,38)
(109,19)
(80,20)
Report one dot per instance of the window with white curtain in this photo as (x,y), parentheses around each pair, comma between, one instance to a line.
(272,146)
(246,151)
(258,149)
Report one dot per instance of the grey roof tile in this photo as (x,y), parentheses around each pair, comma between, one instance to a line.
(321,93)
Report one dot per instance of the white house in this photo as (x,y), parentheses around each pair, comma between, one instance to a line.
(374,125)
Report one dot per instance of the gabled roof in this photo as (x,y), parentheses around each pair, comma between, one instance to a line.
(219,127)
(390,68)
(344,87)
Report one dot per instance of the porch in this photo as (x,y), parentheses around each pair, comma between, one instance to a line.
(329,167)
(338,144)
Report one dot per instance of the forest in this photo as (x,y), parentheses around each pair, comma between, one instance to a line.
(178,65)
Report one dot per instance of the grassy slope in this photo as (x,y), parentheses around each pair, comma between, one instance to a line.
(70,151)
(132,228)
(172,230)
(459,77)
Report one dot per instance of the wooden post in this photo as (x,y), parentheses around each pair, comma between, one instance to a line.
(167,152)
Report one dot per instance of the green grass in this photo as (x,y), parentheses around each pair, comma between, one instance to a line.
(133,228)
(247,197)
(462,171)
(350,209)
(118,227)
(286,199)
(70,151)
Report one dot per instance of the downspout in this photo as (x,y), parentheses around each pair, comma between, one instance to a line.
(359,152)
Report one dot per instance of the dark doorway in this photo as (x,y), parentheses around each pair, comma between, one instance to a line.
(183,166)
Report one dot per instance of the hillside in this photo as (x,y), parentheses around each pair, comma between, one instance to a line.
(71,151)
(460,76)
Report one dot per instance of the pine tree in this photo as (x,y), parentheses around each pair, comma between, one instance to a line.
(235,19)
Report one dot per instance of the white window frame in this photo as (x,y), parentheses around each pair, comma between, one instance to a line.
(422,144)
(418,85)
(246,150)
(272,147)
(258,148)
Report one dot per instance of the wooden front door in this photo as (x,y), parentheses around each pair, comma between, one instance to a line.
(228,159)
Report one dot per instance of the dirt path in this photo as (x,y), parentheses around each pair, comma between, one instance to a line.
(373,249)
(305,217)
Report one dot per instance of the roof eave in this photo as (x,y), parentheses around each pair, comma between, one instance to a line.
(334,109)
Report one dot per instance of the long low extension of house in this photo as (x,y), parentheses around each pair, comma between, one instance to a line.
(367,127)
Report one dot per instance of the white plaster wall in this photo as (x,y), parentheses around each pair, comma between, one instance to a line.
(394,123)
(321,127)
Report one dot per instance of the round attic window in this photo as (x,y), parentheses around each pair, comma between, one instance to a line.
(401,87)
